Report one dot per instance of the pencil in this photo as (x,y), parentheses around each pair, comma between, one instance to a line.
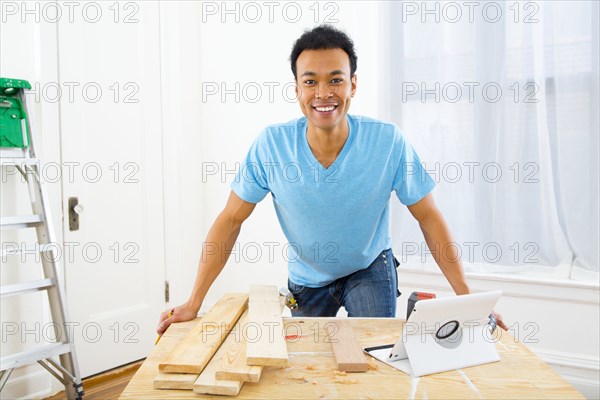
(159,336)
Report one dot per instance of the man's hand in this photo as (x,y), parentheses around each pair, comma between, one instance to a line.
(499,321)
(181,313)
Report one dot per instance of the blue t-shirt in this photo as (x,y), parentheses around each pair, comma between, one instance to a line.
(336,219)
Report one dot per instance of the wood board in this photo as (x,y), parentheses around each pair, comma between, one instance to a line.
(348,354)
(233,365)
(207,382)
(268,347)
(174,381)
(193,353)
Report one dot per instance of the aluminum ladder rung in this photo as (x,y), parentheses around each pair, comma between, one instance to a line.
(26,287)
(31,356)
(14,152)
(20,222)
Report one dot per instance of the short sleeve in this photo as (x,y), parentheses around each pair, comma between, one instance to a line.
(251,183)
(411,181)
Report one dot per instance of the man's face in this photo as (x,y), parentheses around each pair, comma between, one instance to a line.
(324,86)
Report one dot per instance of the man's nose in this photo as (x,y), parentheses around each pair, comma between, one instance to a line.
(323,91)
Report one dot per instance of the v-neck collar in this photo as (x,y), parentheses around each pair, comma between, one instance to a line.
(308,152)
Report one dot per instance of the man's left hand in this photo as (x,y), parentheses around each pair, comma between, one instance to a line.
(499,320)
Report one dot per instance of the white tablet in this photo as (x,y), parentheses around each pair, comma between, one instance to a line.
(444,334)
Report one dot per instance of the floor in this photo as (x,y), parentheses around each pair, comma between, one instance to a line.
(107,385)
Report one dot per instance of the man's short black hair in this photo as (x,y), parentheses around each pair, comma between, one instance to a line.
(324,37)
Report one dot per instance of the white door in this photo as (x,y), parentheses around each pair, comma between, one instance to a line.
(109,68)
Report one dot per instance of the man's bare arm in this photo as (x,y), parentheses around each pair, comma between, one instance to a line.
(438,237)
(223,232)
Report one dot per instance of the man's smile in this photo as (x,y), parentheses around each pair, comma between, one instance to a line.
(325,108)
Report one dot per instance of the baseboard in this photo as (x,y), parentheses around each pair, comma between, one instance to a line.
(581,371)
(34,385)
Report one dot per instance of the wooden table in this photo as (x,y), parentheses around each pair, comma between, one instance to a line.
(311,371)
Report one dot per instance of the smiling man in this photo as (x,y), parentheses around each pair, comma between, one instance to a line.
(334,210)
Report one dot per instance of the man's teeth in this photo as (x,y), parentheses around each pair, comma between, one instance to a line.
(325,109)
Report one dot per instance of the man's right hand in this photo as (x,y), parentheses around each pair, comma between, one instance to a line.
(182,313)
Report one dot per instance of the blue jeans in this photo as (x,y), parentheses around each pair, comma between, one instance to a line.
(370,292)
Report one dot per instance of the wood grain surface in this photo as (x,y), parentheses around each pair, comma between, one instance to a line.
(195,350)
(233,365)
(348,354)
(268,346)
(311,372)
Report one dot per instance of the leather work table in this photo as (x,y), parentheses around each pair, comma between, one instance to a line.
(311,372)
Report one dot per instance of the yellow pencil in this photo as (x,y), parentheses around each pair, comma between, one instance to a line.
(159,336)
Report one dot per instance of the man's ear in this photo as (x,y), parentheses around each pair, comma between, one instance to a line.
(353,80)
(297,89)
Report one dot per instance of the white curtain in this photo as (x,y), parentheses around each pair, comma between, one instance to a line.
(503,110)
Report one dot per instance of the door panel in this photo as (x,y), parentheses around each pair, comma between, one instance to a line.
(109,65)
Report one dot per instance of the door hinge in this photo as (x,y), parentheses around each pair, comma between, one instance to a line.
(167,294)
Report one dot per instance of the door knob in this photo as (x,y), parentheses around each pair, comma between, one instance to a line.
(75,209)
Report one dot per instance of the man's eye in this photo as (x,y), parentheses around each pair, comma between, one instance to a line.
(309,82)
(337,81)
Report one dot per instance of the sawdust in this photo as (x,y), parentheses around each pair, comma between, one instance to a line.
(346,381)
(372,366)
(339,373)
(299,379)
(310,367)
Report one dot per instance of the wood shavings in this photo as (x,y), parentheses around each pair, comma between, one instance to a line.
(373,366)
(299,378)
(339,373)
(310,367)
(347,381)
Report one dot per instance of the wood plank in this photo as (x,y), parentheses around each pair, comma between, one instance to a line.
(174,381)
(233,365)
(207,382)
(191,354)
(346,349)
(264,316)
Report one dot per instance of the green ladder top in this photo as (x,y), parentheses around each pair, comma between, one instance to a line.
(10,87)
(14,127)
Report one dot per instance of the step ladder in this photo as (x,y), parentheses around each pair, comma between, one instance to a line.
(17,151)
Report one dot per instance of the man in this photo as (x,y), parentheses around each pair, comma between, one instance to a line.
(330,175)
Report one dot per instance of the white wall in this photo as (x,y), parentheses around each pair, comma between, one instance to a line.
(198,132)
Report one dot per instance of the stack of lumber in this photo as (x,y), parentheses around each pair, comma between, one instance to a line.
(231,344)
